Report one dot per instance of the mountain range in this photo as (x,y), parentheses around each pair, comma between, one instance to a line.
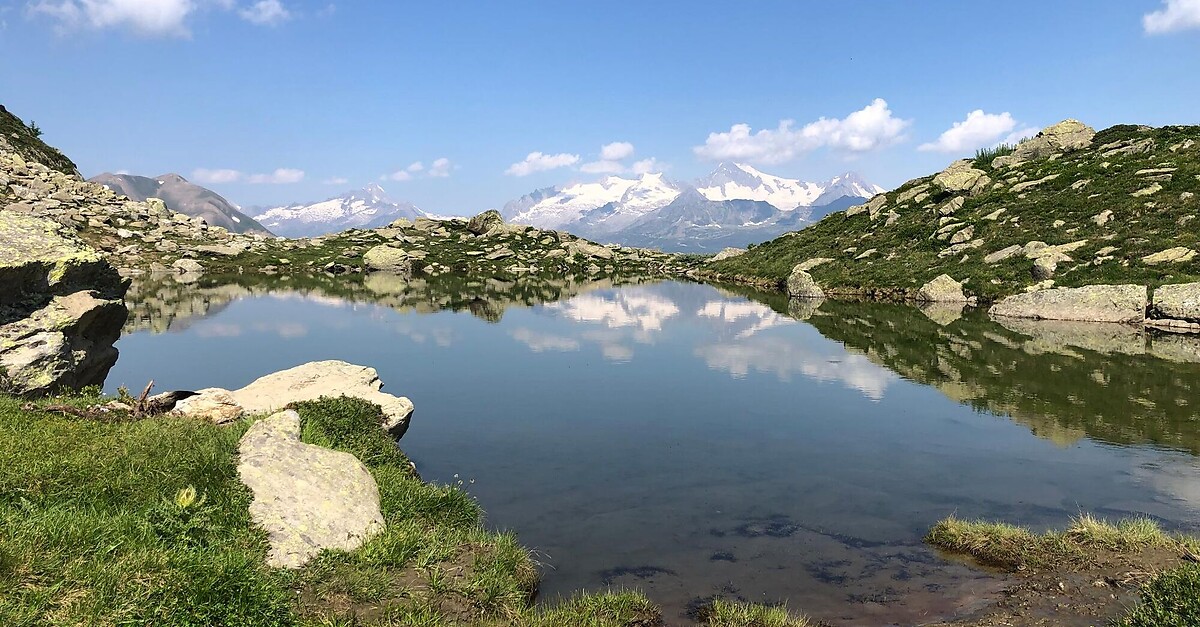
(735,205)
(366,208)
(183,197)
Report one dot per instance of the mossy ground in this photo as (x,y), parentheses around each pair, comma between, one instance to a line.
(144,522)
(1088,182)
(1130,572)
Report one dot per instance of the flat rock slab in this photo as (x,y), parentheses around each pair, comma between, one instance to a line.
(307,498)
(1093,303)
(315,379)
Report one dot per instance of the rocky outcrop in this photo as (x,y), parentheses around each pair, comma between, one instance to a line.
(17,137)
(307,498)
(800,284)
(942,289)
(305,382)
(727,253)
(960,176)
(1066,136)
(60,309)
(1093,303)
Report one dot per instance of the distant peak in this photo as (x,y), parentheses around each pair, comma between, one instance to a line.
(171,177)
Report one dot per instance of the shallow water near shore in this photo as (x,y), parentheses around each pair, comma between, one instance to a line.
(694,441)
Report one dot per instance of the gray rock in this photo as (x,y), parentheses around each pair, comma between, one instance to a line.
(1044,268)
(727,253)
(212,404)
(485,222)
(1003,253)
(1180,301)
(942,289)
(800,284)
(386,258)
(307,498)
(960,176)
(1178,254)
(313,380)
(1066,136)
(1094,303)
(188,266)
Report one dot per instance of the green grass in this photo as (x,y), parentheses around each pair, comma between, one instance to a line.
(145,522)
(1170,599)
(1017,548)
(725,614)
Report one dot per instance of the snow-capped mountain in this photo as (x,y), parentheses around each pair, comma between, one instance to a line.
(735,205)
(367,208)
(180,195)
(607,205)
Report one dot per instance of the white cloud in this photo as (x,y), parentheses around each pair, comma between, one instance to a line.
(979,129)
(279,176)
(337,180)
(603,167)
(542,342)
(1175,15)
(646,165)
(398,175)
(871,128)
(616,151)
(161,18)
(1015,137)
(540,162)
(416,166)
(440,168)
(218,176)
(265,13)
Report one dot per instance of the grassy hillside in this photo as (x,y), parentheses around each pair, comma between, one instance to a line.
(26,141)
(1131,192)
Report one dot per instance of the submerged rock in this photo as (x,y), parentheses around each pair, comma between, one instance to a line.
(1094,303)
(307,498)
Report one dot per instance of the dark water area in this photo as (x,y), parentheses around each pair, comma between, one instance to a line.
(694,441)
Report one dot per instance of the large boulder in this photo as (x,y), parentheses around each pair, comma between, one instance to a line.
(1177,302)
(307,498)
(60,309)
(962,176)
(315,379)
(484,222)
(1094,303)
(727,253)
(389,259)
(1065,136)
(800,284)
(942,289)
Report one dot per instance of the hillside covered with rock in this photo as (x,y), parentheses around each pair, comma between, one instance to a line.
(1068,208)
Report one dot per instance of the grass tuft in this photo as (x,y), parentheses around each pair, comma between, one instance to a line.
(725,614)
(1170,599)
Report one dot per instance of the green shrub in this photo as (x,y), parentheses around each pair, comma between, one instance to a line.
(1171,599)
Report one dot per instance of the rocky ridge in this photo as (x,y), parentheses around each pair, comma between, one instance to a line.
(1068,208)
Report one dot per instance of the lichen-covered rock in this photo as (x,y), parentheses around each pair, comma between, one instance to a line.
(215,405)
(386,258)
(484,222)
(800,284)
(588,249)
(942,289)
(961,176)
(1180,301)
(307,498)
(1093,303)
(1066,136)
(1178,254)
(315,379)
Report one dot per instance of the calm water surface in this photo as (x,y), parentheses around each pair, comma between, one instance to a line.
(695,442)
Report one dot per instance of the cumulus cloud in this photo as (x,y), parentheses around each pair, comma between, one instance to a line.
(1016,136)
(540,162)
(159,18)
(870,128)
(645,166)
(1175,15)
(217,176)
(977,130)
(279,176)
(265,13)
(440,168)
(612,161)
(151,18)
(616,151)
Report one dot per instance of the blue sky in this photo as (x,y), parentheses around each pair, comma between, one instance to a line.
(274,101)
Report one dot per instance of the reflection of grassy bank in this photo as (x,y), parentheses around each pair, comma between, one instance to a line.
(120,521)
(1093,564)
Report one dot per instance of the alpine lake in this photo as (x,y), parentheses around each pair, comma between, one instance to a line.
(697,441)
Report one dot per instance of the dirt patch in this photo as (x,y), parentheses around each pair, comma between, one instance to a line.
(1068,596)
